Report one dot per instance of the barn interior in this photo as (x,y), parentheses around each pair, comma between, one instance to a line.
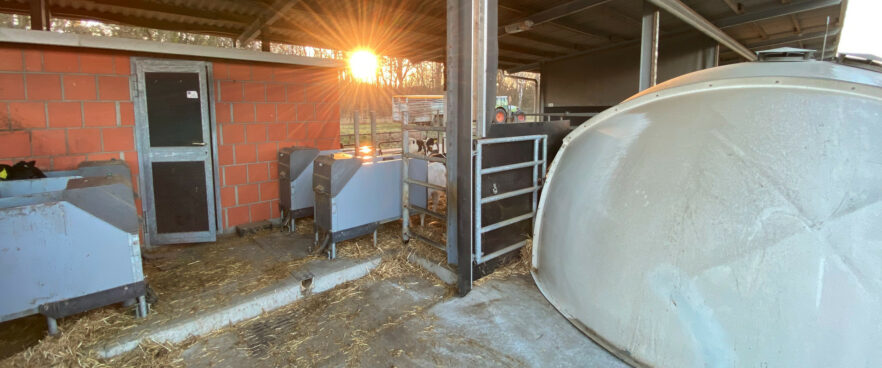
(368,268)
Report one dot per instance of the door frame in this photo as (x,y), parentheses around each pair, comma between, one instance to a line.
(205,70)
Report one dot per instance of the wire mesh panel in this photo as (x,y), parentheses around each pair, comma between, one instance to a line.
(179,196)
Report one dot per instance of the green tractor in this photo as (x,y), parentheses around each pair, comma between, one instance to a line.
(508,113)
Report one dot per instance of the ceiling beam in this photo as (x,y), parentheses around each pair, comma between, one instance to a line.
(686,14)
(548,15)
(786,40)
(774,12)
(736,7)
(269,16)
(536,65)
(559,23)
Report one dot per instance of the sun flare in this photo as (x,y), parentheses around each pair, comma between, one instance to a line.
(363,65)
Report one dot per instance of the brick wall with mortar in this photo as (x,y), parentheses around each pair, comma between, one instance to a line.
(260,109)
(62,106)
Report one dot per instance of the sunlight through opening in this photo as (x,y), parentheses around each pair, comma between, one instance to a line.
(363,64)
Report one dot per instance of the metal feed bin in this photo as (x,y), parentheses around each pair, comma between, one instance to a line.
(726,218)
(70,243)
(353,196)
(295,180)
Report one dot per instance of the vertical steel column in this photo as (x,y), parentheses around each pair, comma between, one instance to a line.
(355,130)
(405,187)
(459,134)
(711,56)
(40,16)
(649,46)
(485,62)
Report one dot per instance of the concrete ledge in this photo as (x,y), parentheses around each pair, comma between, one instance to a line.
(317,278)
(445,274)
(133,45)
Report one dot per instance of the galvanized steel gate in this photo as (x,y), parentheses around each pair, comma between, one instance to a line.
(407,207)
(540,152)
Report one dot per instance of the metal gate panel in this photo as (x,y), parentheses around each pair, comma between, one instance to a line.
(540,152)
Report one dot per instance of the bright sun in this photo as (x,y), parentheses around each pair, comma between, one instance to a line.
(363,65)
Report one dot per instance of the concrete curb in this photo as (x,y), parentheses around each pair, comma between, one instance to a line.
(443,273)
(316,279)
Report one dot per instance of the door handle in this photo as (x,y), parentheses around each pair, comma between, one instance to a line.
(198,143)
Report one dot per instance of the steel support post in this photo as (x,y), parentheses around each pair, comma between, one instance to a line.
(459,140)
(40,16)
(649,46)
(485,62)
(711,56)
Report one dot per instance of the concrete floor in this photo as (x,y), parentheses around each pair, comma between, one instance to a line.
(408,322)
(403,320)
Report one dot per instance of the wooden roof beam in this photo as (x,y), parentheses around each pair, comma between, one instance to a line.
(269,16)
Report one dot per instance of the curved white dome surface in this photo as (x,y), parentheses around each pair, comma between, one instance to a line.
(727,218)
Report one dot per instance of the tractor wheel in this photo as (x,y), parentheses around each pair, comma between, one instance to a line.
(501,115)
(520,117)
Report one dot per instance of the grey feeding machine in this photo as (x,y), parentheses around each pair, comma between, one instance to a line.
(295,182)
(57,231)
(353,196)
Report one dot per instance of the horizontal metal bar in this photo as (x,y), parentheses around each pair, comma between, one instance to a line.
(431,242)
(426,211)
(424,128)
(505,223)
(564,114)
(500,252)
(774,11)
(521,138)
(513,193)
(682,11)
(424,184)
(425,158)
(496,169)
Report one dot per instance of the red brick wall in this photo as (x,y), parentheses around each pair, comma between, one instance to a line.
(260,109)
(62,106)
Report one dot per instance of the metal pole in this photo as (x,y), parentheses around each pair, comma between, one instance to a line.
(824,45)
(53,325)
(142,306)
(478,204)
(459,134)
(649,46)
(355,130)
(485,62)
(374,133)
(405,187)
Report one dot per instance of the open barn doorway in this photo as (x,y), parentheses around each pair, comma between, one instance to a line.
(175,145)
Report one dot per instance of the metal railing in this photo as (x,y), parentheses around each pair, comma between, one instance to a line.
(536,163)
(407,207)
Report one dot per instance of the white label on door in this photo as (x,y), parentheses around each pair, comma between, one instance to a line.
(192,94)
